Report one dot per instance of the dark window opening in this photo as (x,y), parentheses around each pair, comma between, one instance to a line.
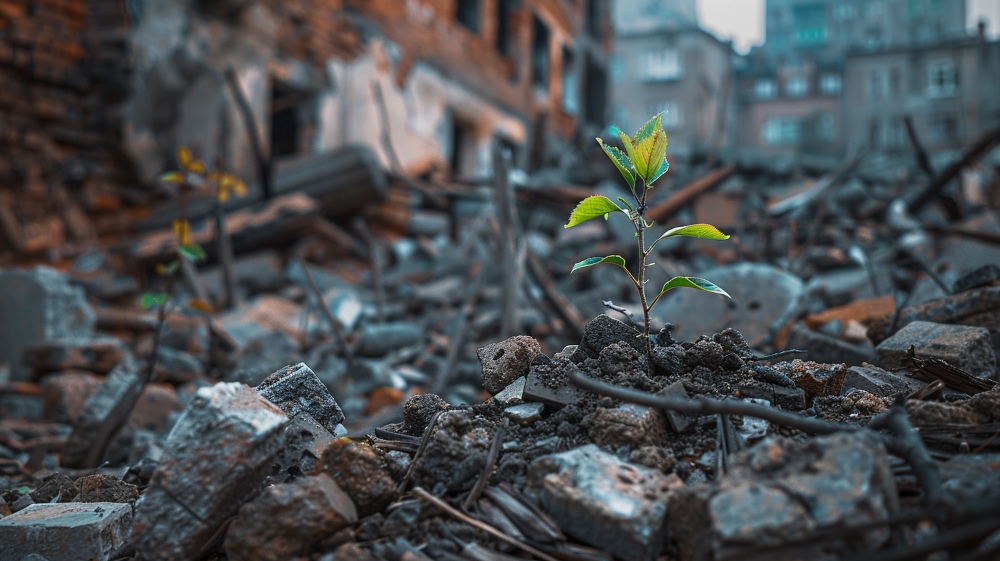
(467,14)
(461,148)
(285,126)
(594,19)
(596,94)
(570,83)
(504,9)
(540,55)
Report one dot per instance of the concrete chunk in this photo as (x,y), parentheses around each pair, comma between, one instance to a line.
(877,381)
(47,307)
(215,459)
(506,361)
(67,531)
(961,346)
(297,388)
(604,502)
(119,390)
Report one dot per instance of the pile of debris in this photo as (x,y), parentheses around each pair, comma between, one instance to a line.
(457,404)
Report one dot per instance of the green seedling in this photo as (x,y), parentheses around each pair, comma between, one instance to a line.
(643,162)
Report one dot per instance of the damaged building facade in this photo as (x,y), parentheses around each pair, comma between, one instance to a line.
(427,85)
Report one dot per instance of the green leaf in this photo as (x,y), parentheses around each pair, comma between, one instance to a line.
(693,282)
(147,301)
(621,162)
(649,155)
(663,169)
(630,151)
(592,207)
(647,130)
(706,231)
(23,489)
(612,259)
(624,202)
(160,298)
(193,252)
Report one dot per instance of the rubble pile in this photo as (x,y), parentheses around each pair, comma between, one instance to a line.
(396,385)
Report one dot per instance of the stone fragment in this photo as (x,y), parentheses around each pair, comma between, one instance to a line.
(118,391)
(215,459)
(977,307)
(780,488)
(936,413)
(679,422)
(983,275)
(764,299)
(381,339)
(605,330)
(513,392)
(157,404)
(361,473)
(821,347)
(64,395)
(305,441)
(95,354)
(790,399)
(286,520)
(961,346)
(815,379)
(525,413)
(419,410)
(47,308)
(604,502)
(506,361)
(626,425)
(67,531)
(297,388)
(57,485)
(549,384)
(102,488)
(876,381)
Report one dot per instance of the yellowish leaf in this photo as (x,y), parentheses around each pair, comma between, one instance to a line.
(183,230)
(200,305)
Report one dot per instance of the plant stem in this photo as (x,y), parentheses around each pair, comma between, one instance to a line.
(640,229)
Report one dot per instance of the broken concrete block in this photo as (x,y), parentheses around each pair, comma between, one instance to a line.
(877,381)
(626,425)
(119,390)
(604,502)
(821,347)
(361,473)
(215,459)
(297,388)
(67,531)
(304,446)
(961,346)
(815,379)
(984,275)
(288,519)
(781,488)
(506,361)
(96,354)
(605,330)
(65,394)
(381,339)
(47,308)
(419,410)
(549,384)
(102,488)
(978,307)
(764,300)
(790,399)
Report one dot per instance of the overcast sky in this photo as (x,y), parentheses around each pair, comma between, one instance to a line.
(743,20)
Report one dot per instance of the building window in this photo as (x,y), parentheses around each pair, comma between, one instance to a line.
(895,133)
(570,84)
(781,131)
(797,86)
(915,8)
(894,83)
(504,9)
(830,84)
(874,132)
(875,89)
(617,68)
(810,36)
(941,79)
(765,88)
(540,55)
(467,14)
(942,128)
(827,127)
(595,21)
(844,12)
(660,65)
(671,113)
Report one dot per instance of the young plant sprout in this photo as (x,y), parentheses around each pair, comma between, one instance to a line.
(642,163)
